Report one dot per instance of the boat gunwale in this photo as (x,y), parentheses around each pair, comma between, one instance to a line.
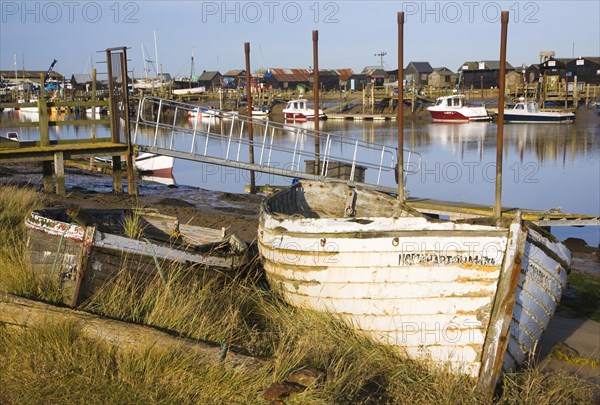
(39,222)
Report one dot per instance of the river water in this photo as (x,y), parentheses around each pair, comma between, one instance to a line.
(545,166)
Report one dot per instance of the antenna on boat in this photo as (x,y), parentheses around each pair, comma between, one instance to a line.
(500,136)
(400,108)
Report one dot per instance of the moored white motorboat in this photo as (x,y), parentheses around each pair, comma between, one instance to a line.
(262,112)
(471,295)
(529,112)
(298,110)
(455,109)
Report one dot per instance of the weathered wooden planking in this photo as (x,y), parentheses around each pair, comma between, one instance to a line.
(86,259)
(57,258)
(122,336)
(470,210)
(453,292)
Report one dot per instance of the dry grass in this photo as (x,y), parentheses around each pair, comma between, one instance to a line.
(133,226)
(55,365)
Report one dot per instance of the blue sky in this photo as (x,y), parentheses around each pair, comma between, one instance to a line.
(280,32)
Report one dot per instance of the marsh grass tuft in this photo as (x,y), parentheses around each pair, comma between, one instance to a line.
(16,204)
(133,223)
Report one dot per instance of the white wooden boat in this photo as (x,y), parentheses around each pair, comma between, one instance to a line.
(261,112)
(11,136)
(298,110)
(455,109)
(529,112)
(191,90)
(82,251)
(147,163)
(158,165)
(151,84)
(28,110)
(203,112)
(471,296)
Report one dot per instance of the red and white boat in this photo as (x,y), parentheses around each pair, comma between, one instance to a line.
(455,109)
(298,110)
(149,164)
(157,165)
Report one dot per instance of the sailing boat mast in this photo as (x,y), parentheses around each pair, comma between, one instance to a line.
(156,55)
(192,69)
(145,61)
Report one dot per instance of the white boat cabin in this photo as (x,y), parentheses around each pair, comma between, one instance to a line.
(297,105)
(528,106)
(457,101)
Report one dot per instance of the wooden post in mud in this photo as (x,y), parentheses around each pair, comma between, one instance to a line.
(93,110)
(500,138)
(566,91)
(131,182)
(59,170)
(315,38)
(114,127)
(400,108)
(45,137)
(249,111)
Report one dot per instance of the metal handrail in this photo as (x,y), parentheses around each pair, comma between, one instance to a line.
(155,113)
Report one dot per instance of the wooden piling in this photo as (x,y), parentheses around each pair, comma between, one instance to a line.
(315,38)
(59,171)
(249,112)
(43,115)
(47,175)
(400,108)
(45,137)
(500,137)
(131,182)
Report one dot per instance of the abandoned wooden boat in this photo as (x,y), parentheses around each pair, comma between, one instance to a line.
(82,251)
(473,296)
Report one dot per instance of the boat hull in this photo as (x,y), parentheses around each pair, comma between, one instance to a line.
(158,165)
(458,116)
(428,288)
(81,260)
(539,118)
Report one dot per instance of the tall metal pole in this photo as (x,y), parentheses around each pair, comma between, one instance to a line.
(500,137)
(249,112)
(400,108)
(315,38)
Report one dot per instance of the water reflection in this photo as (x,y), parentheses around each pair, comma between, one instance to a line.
(545,165)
